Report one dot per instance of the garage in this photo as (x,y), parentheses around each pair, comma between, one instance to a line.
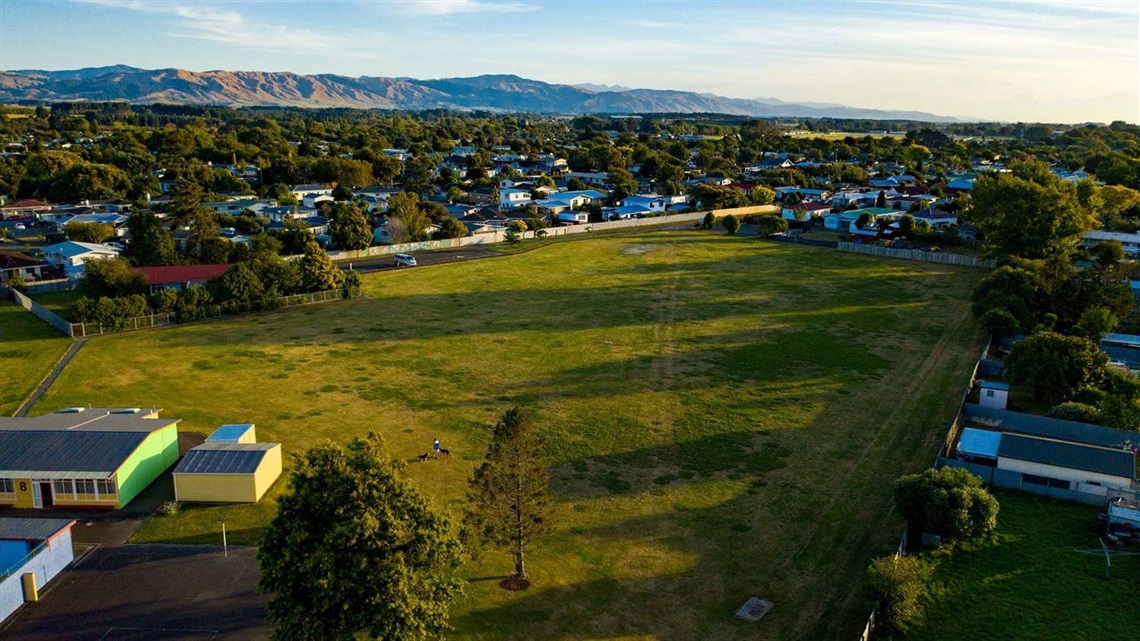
(220,472)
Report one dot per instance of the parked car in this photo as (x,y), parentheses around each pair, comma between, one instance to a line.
(405,260)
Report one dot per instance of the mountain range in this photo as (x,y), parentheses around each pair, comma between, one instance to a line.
(489,92)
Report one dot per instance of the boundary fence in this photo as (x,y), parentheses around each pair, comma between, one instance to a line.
(942,258)
(44,314)
(871,620)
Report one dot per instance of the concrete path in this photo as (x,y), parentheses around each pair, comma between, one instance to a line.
(71,351)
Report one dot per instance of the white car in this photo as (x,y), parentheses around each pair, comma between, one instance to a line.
(405,260)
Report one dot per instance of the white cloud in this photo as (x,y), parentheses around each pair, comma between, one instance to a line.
(449,7)
(203,22)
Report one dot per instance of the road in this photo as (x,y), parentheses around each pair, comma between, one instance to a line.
(423,258)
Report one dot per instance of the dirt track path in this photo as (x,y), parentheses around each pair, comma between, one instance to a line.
(55,372)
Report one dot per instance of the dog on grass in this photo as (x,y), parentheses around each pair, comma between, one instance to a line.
(443,452)
(423,457)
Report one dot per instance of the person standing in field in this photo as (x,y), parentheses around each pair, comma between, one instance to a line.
(435,446)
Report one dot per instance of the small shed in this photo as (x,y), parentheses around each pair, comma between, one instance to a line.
(995,395)
(237,433)
(979,444)
(227,472)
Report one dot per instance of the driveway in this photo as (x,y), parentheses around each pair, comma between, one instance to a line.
(148,593)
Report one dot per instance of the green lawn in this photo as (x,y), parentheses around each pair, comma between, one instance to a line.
(1028,583)
(723,416)
(29,348)
(58,302)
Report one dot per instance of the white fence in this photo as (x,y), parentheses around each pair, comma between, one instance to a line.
(44,314)
(501,236)
(942,258)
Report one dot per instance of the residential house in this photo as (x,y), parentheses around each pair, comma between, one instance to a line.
(15,263)
(570,217)
(937,218)
(71,256)
(24,208)
(179,277)
(568,200)
(805,194)
(512,198)
(236,207)
(1130,242)
(591,178)
(844,221)
(300,192)
(805,210)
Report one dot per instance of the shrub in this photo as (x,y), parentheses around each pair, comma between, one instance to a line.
(1073,411)
(169,508)
(731,224)
(17,283)
(351,286)
(950,502)
(770,225)
(709,221)
(898,586)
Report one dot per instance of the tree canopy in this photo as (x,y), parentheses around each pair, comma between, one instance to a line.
(355,550)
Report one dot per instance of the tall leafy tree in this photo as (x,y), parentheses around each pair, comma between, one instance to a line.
(318,272)
(151,242)
(355,551)
(349,227)
(950,502)
(1057,367)
(1029,212)
(508,501)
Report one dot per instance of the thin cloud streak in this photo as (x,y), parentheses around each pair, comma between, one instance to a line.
(452,7)
(203,22)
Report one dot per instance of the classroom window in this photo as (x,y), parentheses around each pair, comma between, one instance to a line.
(7,487)
(84,486)
(63,488)
(106,487)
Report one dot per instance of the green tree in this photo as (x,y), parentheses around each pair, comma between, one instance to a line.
(239,289)
(81,232)
(731,224)
(770,225)
(881,200)
(1108,254)
(406,219)
(318,272)
(1057,367)
(1073,411)
(355,551)
(950,502)
(864,220)
(709,221)
(349,227)
(1029,213)
(111,278)
(1095,322)
(898,585)
(151,242)
(451,228)
(508,504)
(1005,299)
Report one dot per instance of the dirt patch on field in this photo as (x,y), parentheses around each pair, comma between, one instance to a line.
(637,250)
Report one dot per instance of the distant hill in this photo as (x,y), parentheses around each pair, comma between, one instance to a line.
(493,92)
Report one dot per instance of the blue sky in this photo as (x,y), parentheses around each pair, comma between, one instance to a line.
(1033,60)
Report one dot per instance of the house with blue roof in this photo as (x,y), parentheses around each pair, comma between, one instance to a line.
(72,257)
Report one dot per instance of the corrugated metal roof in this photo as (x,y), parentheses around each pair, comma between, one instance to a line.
(24,529)
(229,433)
(975,442)
(62,451)
(224,458)
(90,419)
(1070,455)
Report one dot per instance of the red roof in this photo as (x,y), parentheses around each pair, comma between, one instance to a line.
(26,203)
(172,274)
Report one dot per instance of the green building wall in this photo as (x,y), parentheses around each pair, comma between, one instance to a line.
(152,457)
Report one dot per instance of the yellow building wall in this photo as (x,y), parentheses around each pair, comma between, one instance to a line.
(88,500)
(215,488)
(23,493)
(267,472)
(250,436)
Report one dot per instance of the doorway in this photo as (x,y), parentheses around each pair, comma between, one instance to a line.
(42,496)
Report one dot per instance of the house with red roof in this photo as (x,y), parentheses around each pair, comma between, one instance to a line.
(23,208)
(180,276)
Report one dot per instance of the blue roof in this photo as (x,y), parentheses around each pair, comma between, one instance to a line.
(994,385)
(230,433)
(975,442)
(224,458)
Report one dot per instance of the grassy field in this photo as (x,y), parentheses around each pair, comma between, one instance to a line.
(58,302)
(1028,583)
(722,415)
(29,348)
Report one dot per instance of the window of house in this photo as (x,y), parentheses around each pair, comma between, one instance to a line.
(63,488)
(7,487)
(989,393)
(84,486)
(106,487)
(1033,479)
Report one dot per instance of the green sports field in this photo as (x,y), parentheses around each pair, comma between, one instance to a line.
(722,415)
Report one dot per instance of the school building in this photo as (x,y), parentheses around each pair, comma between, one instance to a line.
(94,457)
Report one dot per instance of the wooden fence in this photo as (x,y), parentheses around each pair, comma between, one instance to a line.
(942,258)
(870,627)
